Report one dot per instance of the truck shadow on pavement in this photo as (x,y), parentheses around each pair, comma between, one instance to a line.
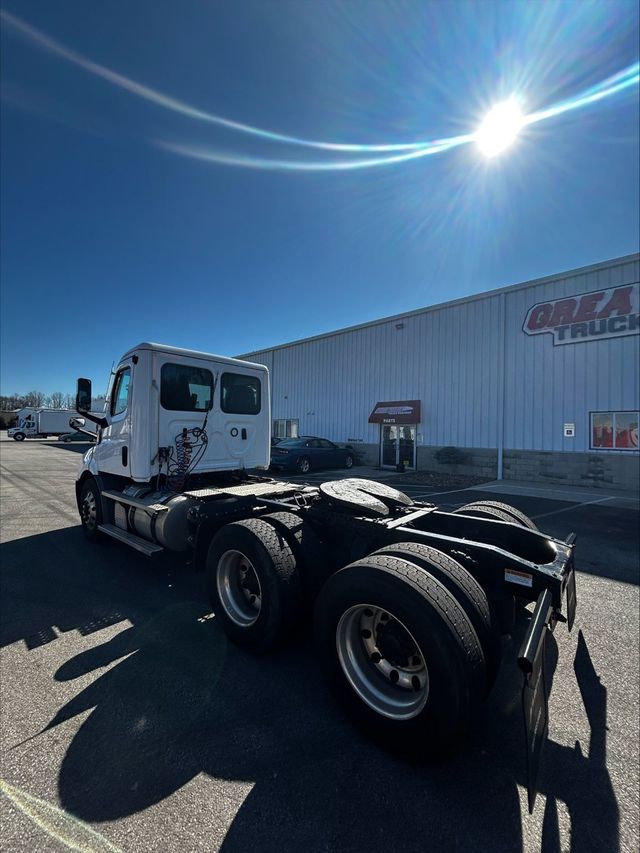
(179,701)
(80,447)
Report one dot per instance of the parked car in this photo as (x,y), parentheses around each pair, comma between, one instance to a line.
(75,436)
(307,452)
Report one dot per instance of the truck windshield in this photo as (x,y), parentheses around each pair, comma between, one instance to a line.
(185,388)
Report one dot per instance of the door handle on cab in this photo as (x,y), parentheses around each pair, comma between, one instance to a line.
(125,455)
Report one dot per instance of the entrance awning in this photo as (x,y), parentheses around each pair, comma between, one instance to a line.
(396,412)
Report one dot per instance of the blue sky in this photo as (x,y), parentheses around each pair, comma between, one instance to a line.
(109,237)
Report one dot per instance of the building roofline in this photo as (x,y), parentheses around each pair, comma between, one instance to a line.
(635,256)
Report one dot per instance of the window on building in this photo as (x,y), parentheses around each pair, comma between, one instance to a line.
(614,430)
(120,397)
(239,394)
(286,428)
(185,388)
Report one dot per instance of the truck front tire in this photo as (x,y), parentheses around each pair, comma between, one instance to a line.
(400,654)
(90,508)
(19,436)
(253,584)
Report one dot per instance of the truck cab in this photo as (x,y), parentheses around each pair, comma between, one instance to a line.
(161,395)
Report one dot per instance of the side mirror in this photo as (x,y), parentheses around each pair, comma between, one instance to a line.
(77,423)
(83,395)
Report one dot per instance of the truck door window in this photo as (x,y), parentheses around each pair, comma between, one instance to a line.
(185,388)
(239,394)
(120,395)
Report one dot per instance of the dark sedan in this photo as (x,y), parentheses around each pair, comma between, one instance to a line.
(304,453)
(76,436)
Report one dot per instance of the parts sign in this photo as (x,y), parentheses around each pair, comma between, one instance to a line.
(594,316)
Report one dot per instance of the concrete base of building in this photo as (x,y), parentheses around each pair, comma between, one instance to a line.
(594,470)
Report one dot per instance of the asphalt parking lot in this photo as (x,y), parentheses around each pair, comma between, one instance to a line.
(129,723)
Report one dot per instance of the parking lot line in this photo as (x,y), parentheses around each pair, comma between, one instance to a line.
(569,508)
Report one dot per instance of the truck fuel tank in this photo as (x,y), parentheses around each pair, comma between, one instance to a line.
(167,527)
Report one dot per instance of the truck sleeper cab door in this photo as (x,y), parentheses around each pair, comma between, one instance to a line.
(113,452)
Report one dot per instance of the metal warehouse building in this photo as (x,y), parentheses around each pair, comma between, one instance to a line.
(535,381)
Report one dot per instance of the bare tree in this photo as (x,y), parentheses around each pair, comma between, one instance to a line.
(13,401)
(58,400)
(34,398)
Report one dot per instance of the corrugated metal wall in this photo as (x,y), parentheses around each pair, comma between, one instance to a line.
(454,359)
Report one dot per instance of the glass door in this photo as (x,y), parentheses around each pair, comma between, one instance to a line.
(398,445)
(389,446)
(407,446)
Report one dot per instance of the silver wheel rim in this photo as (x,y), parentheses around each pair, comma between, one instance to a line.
(304,466)
(89,510)
(239,588)
(349,462)
(382,662)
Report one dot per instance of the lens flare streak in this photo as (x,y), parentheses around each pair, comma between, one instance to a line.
(213,155)
(395,152)
(611,86)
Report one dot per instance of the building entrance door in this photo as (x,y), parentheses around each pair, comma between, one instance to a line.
(397,445)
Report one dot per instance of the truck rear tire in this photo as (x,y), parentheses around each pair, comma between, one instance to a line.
(465,589)
(401,655)
(253,584)
(497,509)
(309,552)
(90,509)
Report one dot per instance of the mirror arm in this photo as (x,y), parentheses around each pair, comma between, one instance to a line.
(102,422)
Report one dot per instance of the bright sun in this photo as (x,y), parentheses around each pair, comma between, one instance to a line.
(500,128)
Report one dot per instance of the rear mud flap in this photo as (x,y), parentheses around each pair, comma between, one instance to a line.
(535,708)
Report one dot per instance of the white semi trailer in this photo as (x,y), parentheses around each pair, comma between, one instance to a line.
(409,602)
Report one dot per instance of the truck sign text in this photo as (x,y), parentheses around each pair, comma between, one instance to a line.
(601,314)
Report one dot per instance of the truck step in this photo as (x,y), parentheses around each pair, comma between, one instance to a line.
(131,539)
(136,502)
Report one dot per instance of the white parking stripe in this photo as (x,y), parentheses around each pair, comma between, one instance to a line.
(569,508)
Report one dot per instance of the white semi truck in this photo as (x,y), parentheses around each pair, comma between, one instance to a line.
(42,423)
(409,602)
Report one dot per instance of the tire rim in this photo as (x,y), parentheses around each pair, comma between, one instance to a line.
(349,462)
(382,662)
(304,466)
(239,589)
(89,511)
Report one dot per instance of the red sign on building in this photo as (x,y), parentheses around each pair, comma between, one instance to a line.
(595,316)
(396,412)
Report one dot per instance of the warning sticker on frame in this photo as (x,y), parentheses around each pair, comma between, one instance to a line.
(522,578)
